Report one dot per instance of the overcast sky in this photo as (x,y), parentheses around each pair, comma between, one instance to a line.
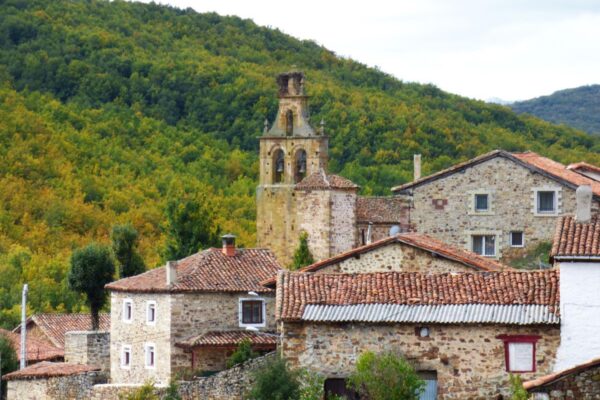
(509,49)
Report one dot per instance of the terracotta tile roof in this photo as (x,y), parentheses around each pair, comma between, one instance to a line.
(382,210)
(55,326)
(37,350)
(576,239)
(533,161)
(583,166)
(230,339)
(208,271)
(299,290)
(551,378)
(418,240)
(321,180)
(47,369)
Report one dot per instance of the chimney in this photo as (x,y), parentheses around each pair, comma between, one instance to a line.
(228,245)
(416,167)
(583,214)
(171,272)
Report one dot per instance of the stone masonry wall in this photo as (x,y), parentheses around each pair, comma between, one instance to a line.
(444,208)
(314,217)
(343,222)
(584,385)
(73,387)
(397,257)
(88,348)
(136,334)
(469,360)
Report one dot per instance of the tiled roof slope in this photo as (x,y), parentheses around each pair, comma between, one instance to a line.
(299,290)
(49,369)
(229,339)
(551,378)
(576,239)
(37,350)
(208,271)
(530,160)
(55,326)
(321,180)
(382,210)
(583,166)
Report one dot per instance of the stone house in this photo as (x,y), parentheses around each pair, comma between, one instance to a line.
(296,193)
(190,314)
(464,332)
(500,204)
(581,382)
(52,328)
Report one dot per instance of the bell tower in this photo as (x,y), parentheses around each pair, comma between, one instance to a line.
(289,151)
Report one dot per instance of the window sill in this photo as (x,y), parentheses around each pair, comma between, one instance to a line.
(262,325)
(482,213)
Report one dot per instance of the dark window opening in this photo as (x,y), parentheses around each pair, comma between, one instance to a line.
(278,166)
(481,202)
(337,387)
(516,239)
(546,202)
(252,312)
(300,171)
(362,237)
(289,123)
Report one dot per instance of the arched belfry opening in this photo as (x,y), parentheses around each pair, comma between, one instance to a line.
(300,165)
(278,166)
(289,123)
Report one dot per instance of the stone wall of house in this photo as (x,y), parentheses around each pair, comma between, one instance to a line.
(88,348)
(397,257)
(232,384)
(584,385)
(73,387)
(314,215)
(469,360)
(378,231)
(444,208)
(198,313)
(343,221)
(137,334)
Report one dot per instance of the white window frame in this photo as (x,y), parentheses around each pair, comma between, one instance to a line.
(510,238)
(125,303)
(557,201)
(483,235)
(241,310)
(148,305)
(147,347)
(126,348)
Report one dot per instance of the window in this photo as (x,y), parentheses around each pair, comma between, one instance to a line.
(519,352)
(127,310)
(126,356)
(149,355)
(252,312)
(278,166)
(151,312)
(517,239)
(484,245)
(481,202)
(546,202)
(289,122)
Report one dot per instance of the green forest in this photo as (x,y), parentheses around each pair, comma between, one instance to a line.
(578,107)
(125,113)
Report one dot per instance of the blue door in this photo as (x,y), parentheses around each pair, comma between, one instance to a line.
(430,379)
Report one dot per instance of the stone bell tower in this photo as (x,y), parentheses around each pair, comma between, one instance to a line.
(289,151)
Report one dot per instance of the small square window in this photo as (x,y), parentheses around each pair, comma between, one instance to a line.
(482,202)
(546,201)
(519,352)
(127,310)
(151,312)
(252,312)
(126,356)
(149,355)
(517,239)
(484,245)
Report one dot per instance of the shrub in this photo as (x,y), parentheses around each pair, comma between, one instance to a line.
(9,362)
(302,255)
(385,377)
(275,381)
(518,392)
(146,392)
(242,354)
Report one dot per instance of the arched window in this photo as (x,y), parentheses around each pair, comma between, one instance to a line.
(289,122)
(278,166)
(300,165)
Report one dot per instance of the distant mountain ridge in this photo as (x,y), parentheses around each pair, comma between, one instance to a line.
(578,107)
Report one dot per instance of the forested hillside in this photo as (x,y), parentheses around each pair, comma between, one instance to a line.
(578,107)
(112,111)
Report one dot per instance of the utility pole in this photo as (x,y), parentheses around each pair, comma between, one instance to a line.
(23,326)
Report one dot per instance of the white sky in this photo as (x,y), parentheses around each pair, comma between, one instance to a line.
(509,49)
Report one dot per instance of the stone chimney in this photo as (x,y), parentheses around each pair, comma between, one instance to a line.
(416,167)
(583,214)
(171,272)
(228,245)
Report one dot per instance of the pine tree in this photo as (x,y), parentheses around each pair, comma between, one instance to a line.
(302,255)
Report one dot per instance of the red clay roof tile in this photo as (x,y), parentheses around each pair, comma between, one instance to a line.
(551,378)
(37,350)
(230,339)
(576,239)
(47,369)
(323,181)
(382,210)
